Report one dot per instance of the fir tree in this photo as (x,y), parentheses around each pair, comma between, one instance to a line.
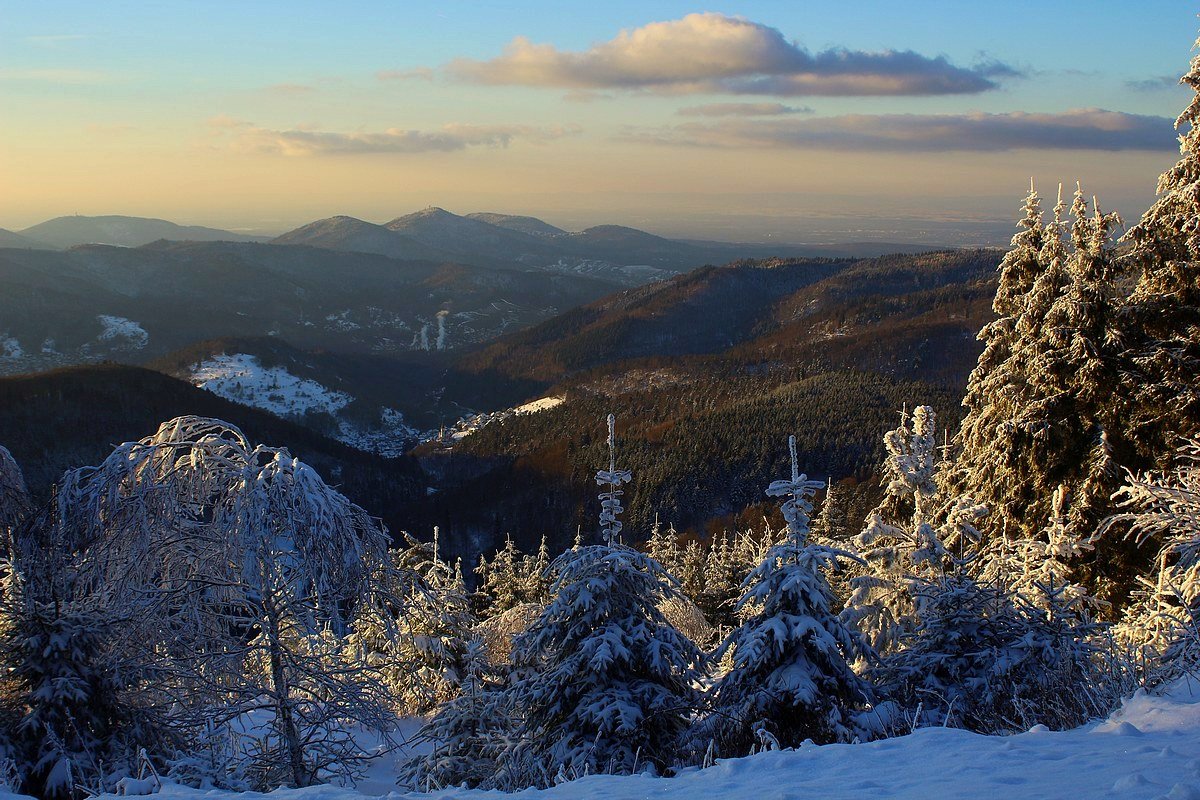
(910,535)
(790,677)
(1159,323)
(603,681)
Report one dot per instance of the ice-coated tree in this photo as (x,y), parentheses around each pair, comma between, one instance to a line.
(468,734)
(419,647)
(663,547)
(237,573)
(535,575)
(14,496)
(910,535)
(987,660)
(1164,620)
(1159,323)
(790,676)
(994,386)
(610,498)
(691,570)
(1024,566)
(603,681)
(832,523)
(73,723)
(501,579)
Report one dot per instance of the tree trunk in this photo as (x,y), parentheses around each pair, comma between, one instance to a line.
(284,719)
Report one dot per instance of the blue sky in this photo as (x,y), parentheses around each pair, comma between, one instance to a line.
(263,114)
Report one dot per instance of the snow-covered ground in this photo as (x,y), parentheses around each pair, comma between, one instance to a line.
(1149,748)
(9,347)
(474,422)
(122,330)
(243,379)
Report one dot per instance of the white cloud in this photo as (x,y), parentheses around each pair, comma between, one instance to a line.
(715,53)
(1081,129)
(245,136)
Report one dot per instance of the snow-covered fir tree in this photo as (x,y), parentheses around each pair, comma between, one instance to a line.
(72,722)
(418,647)
(1159,323)
(832,522)
(500,579)
(1164,619)
(987,660)
(468,733)
(14,496)
(790,676)
(994,387)
(604,681)
(910,535)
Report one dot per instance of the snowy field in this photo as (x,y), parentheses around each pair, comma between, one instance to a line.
(243,379)
(1150,748)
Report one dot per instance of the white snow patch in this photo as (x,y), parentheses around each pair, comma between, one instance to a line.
(116,328)
(474,422)
(544,404)
(10,348)
(243,379)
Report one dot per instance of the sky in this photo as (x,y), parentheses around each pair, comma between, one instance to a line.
(755,121)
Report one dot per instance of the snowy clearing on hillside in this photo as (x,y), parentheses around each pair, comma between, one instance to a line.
(473,422)
(10,347)
(243,379)
(121,328)
(1149,748)
(545,404)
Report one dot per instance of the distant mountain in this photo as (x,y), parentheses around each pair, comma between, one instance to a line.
(136,304)
(355,235)
(466,237)
(10,239)
(73,417)
(530,225)
(125,232)
(793,311)
(618,254)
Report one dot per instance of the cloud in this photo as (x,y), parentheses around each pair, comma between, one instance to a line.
(1156,84)
(717,54)
(742,110)
(247,137)
(585,96)
(418,74)
(289,89)
(1083,129)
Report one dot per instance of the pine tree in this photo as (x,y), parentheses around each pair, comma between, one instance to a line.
(77,725)
(790,677)
(1164,620)
(994,386)
(468,733)
(1159,323)
(910,535)
(987,660)
(14,496)
(603,681)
